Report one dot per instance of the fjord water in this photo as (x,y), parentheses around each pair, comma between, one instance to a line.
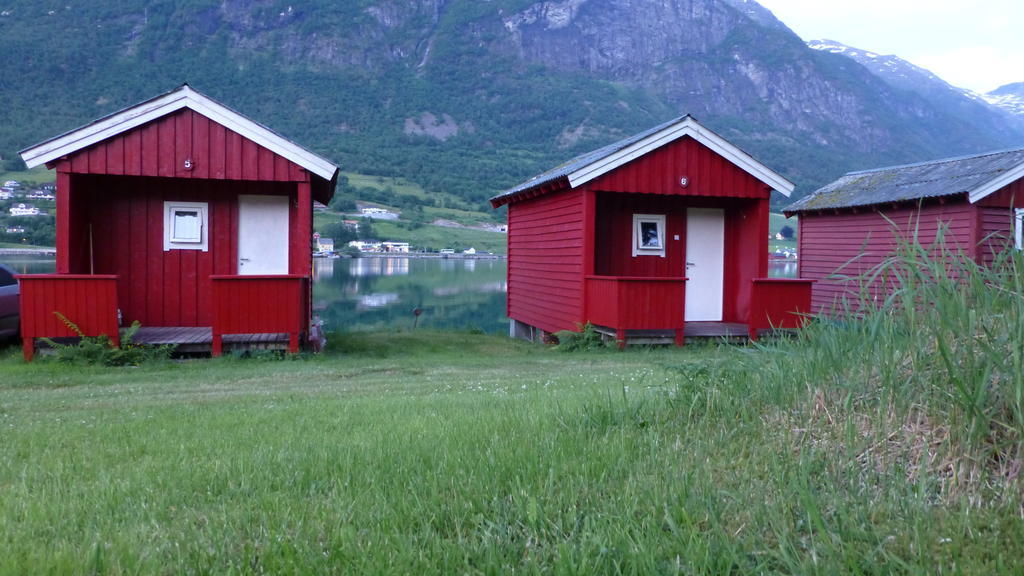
(383,293)
(30,264)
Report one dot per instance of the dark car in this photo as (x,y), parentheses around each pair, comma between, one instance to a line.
(8,304)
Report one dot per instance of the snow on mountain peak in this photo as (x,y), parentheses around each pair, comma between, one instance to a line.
(902,74)
(1009,98)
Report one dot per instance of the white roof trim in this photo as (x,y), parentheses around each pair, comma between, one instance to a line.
(687,127)
(184,97)
(996,184)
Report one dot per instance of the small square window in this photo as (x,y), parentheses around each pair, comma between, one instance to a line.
(649,235)
(185,226)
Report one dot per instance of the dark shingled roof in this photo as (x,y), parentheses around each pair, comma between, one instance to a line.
(910,182)
(583,160)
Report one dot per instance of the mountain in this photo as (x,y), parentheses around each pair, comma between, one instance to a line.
(893,69)
(470,96)
(950,99)
(1009,98)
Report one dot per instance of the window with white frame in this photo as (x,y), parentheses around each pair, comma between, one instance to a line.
(1018,228)
(185,226)
(649,235)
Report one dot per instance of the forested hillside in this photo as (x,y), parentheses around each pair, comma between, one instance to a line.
(469,97)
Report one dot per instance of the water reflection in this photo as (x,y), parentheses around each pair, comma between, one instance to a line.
(377,300)
(782,269)
(369,266)
(381,293)
(30,264)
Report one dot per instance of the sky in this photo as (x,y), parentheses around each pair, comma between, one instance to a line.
(974,44)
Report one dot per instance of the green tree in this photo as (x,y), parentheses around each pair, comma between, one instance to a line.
(366,231)
(339,232)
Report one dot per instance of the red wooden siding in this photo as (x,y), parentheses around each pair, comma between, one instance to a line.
(613,235)
(996,231)
(161,147)
(995,220)
(659,172)
(125,218)
(1011,196)
(546,260)
(631,303)
(90,302)
(746,254)
(259,305)
(746,242)
(829,242)
(300,232)
(779,303)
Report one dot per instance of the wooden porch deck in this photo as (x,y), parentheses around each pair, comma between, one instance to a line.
(692,331)
(199,339)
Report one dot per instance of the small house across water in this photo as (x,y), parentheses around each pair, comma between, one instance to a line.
(850,226)
(658,237)
(185,216)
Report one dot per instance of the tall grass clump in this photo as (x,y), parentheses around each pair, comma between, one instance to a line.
(921,374)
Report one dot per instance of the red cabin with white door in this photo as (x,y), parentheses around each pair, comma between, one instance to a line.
(657,237)
(185,216)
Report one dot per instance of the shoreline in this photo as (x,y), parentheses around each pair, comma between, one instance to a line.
(427,255)
(53,252)
(28,251)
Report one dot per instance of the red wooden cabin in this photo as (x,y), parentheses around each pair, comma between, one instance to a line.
(184,215)
(850,226)
(657,237)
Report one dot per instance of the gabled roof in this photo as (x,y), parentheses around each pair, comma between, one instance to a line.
(976,176)
(181,97)
(591,165)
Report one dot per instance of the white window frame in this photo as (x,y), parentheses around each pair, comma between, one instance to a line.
(640,248)
(200,242)
(1018,225)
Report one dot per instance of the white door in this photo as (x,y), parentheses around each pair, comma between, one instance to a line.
(705,264)
(262,235)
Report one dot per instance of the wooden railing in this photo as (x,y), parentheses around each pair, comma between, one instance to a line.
(260,305)
(87,301)
(779,303)
(636,303)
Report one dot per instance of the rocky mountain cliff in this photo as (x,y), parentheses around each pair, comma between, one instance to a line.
(471,96)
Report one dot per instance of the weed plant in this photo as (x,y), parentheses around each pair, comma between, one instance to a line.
(584,339)
(100,350)
(920,375)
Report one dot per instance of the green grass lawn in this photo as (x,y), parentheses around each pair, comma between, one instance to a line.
(35,176)
(399,186)
(776,221)
(429,236)
(441,453)
(889,442)
(466,217)
(24,246)
(439,237)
